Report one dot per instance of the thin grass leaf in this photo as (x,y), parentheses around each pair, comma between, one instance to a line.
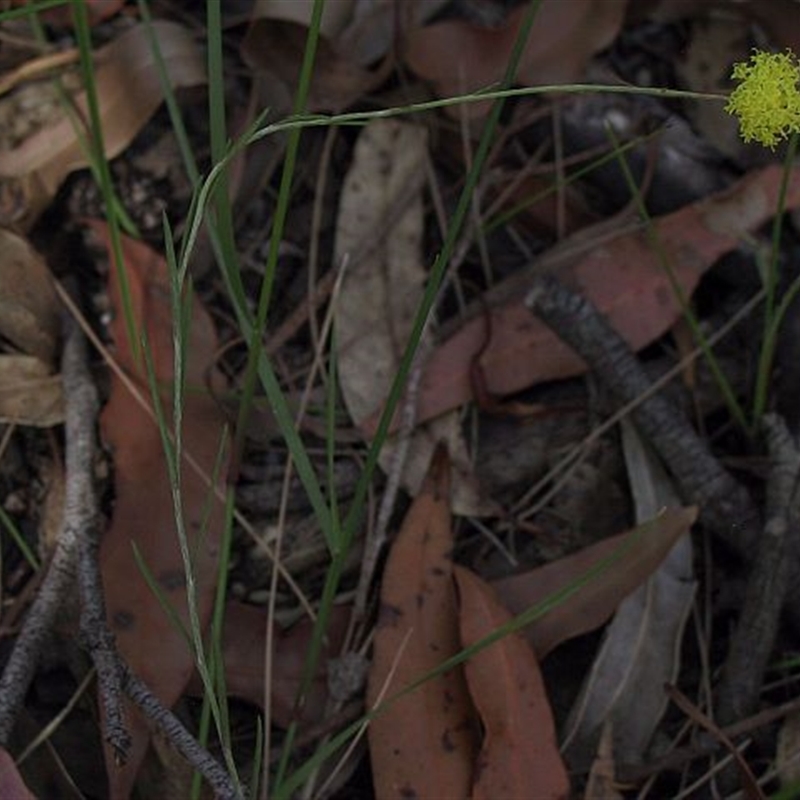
(772,316)
(19,540)
(100,163)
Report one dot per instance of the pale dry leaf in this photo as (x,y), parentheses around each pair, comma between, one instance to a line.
(29,307)
(128,93)
(29,393)
(601,784)
(52,516)
(641,647)
(381,208)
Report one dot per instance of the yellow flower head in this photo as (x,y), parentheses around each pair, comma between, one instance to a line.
(767,101)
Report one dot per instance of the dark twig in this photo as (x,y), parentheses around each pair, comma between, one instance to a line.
(182,740)
(726,508)
(725,505)
(752,642)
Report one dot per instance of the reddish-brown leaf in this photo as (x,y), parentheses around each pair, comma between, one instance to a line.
(243,653)
(12,787)
(623,277)
(459,56)
(520,755)
(639,552)
(423,745)
(144,516)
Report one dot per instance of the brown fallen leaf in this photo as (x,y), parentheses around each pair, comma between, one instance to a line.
(12,787)
(274,49)
(460,56)
(622,277)
(62,15)
(423,744)
(353,36)
(128,93)
(519,757)
(144,516)
(243,653)
(639,553)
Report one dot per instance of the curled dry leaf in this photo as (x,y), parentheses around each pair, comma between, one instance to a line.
(623,278)
(459,56)
(632,558)
(128,93)
(519,757)
(29,393)
(144,517)
(423,744)
(381,210)
(29,307)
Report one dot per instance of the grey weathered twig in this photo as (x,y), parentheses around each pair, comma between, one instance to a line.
(754,637)
(183,741)
(726,507)
(75,554)
(79,512)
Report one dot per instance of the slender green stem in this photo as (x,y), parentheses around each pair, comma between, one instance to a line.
(772,317)
(734,406)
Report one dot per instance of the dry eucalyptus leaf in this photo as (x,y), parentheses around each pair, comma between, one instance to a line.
(364,30)
(128,92)
(144,513)
(29,308)
(381,210)
(519,756)
(632,556)
(424,743)
(459,56)
(29,393)
(641,647)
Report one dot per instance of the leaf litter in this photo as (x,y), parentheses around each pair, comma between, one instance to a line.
(466,728)
(143,534)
